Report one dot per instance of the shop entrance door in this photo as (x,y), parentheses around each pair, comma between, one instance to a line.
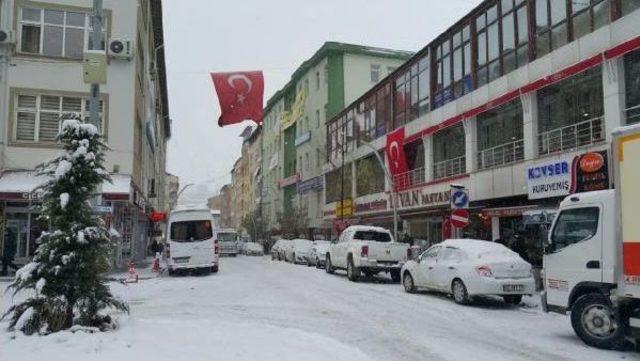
(18,232)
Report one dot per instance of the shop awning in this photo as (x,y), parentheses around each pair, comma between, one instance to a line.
(21,185)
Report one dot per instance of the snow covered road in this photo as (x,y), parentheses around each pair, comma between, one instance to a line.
(258,309)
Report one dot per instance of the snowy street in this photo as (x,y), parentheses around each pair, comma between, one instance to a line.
(258,309)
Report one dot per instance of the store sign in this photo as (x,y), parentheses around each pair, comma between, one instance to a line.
(303,138)
(421,198)
(289,180)
(590,172)
(344,208)
(549,179)
(314,184)
(102,209)
(572,174)
(377,205)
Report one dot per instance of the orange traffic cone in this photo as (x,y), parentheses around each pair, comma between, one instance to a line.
(156,265)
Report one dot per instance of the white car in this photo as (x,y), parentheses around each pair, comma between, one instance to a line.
(368,250)
(192,242)
(253,249)
(318,253)
(228,239)
(297,250)
(278,249)
(469,267)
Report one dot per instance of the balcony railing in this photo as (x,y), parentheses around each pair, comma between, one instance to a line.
(633,114)
(449,167)
(570,137)
(501,155)
(410,178)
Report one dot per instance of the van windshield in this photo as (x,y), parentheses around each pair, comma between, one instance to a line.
(227,237)
(190,231)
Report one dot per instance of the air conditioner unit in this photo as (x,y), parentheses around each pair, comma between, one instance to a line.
(120,49)
(7,36)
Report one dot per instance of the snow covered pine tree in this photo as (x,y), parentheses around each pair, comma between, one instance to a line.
(67,269)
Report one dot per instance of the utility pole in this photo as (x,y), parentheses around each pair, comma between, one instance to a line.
(96,44)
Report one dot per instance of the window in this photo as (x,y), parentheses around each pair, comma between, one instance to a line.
(551,25)
(55,33)
(500,135)
(191,231)
(451,254)
(575,225)
(632,86)
(369,176)
(317,118)
(570,112)
(337,182)
(376,113)
(412,92)
(317,80)
(629,6)
(449,152)
(372,236)
(430,254)
(375,73)
(37,117)
(588,15)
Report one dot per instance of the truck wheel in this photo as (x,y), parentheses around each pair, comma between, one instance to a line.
(293,259)
(597,322)
(327,266)
(214,269)
(512,299)
(318,265)
(353,272)
(459,291)
(409,286)
(395,275)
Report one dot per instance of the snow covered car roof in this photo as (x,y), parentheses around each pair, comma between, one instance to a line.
(367,229)
(475,246)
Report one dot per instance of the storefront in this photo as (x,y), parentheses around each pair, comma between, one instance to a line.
(122,208)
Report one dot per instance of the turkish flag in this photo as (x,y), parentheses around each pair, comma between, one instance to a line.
(395,152)
(240,95)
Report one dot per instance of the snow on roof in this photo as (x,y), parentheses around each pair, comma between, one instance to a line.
(21,181)
(367,229)
(121,184)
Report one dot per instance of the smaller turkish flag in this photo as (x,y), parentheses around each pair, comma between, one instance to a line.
(240,95)
(395,152)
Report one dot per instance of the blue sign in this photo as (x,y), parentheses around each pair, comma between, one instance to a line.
(310,185)
(459,198)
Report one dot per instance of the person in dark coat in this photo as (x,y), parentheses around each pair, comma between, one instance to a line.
(8,251)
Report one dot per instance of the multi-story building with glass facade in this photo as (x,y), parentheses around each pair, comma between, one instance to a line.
(293,143)
(514,102)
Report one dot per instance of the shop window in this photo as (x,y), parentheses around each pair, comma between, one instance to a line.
(500,135)
(369,176)
(570,112)
(37,117)
(632,86)
(449,152)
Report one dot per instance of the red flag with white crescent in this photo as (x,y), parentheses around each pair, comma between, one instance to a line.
(240,95)
(395,152)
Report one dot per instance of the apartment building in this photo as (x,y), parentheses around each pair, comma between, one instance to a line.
(294,136)
(516,102)
(41,77)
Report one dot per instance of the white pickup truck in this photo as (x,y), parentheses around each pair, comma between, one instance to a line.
(368,250)
(592,258)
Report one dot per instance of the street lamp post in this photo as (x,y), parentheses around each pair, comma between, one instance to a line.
(182,190)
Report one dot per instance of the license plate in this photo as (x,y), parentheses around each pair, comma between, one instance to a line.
(181,259)
(512,288)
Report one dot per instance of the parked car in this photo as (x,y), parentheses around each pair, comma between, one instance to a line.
(368,250)
(192,242)
(278,249)
(468,267)
(253,249)
(318,253)
(297,250)
(228,239)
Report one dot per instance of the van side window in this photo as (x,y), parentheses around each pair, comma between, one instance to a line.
(575,225)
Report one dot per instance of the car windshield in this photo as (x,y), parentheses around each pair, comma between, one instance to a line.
(190,231)
(372,236)
(227,237)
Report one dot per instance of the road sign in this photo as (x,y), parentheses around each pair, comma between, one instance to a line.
(460,218)
(459,198)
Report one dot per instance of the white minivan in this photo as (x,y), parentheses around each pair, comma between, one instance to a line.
(192,242)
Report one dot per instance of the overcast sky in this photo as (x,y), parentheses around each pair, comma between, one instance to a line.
(203,36)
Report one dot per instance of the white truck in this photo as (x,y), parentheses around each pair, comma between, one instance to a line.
(592,258)
(368,250)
